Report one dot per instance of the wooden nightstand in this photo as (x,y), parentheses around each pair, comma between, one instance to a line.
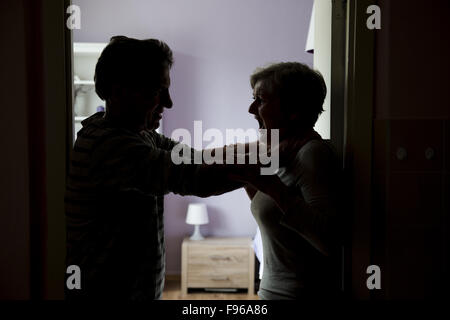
(217,263)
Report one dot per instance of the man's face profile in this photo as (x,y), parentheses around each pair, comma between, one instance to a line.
(163,100)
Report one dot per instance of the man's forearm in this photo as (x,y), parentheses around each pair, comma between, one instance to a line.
(225,153)
(215,180)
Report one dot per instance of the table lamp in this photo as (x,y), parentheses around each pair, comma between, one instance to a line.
(197,215)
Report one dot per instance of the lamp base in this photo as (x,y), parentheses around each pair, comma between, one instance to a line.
(197,235)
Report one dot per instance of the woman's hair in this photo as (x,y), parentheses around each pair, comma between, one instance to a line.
(301,89)
(131,63)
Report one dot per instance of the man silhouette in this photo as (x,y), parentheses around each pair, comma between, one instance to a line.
(119,171)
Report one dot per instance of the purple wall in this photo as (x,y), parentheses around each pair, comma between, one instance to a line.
(217,44)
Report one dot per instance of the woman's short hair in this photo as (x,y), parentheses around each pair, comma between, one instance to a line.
(131,63)
(301,89)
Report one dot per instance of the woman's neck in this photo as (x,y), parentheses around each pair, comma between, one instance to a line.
(294,133)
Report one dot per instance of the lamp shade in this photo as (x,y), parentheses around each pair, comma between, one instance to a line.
(197,214)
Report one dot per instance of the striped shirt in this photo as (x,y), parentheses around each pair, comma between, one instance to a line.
(114,208)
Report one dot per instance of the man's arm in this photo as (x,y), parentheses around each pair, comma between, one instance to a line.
(208,179)
(242,151)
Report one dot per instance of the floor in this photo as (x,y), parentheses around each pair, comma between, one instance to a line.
(172,291)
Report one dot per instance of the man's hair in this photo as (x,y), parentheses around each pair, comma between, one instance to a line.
(131,63)
(301,89)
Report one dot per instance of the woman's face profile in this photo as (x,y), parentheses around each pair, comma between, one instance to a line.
(266,107)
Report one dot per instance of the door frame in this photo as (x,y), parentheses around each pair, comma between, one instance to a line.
(358,144)
(352,102)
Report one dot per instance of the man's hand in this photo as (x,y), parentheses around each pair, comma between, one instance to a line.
(288,149)
(251,175)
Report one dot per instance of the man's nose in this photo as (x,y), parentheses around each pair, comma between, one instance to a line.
(167,101)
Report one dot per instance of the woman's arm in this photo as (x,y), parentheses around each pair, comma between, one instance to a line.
(308,207)
(303,218)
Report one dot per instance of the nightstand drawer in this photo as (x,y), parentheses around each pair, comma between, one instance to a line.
(206,278)
(217,267)
(226,256)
